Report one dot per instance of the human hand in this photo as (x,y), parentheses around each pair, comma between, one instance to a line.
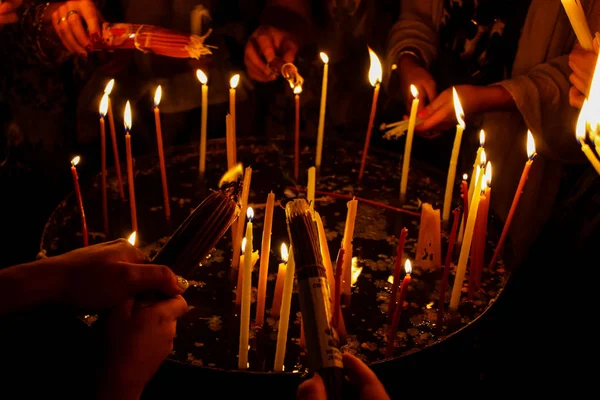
(583,64)
(68,18)
(138,340)
(360,376)
(411,73)
(101,276)
(263,46)
(8,11)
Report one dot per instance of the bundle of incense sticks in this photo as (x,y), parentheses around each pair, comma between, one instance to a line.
(151,39)
(201,231)
(322,340)
(288,71)
(398,129)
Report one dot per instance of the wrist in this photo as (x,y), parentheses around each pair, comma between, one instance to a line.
(494,98)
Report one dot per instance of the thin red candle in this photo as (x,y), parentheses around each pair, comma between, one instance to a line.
(482,241)
(397,268)
(375,78)
(297,91)
(444,280)
(130,167)
(464,189)
(103,110)
(398,310)
(337,310)
(84,231)
(531,153)
(113,136)
(161,153)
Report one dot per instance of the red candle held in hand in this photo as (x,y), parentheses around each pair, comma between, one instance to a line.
(84,230)
(103,110)
(297,91)
(130,167)
(397,267)
(161,155)
(398,311)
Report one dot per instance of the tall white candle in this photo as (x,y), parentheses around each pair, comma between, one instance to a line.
(310,191)
(408,145)
(476,168)
(246,295)
(284,313)
(204,119)
(233,83)
(321,129)
(454,157)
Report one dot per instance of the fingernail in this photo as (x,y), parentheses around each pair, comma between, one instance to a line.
(182,283)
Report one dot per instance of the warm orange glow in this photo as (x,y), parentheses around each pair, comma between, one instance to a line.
(414,91)
(408,267)
(109,87)
(460,114)
(284,253)
(132,238)
(202,77)
(75,161)
(243,245)
(530,145)
(104,105)
(324,57)
(391,279)
(483,159)
(232,174)
(157,96)
(127,117)
(250,213)
(582,121)
(356,271)
(482,138)
(375,71)
(488,173)
(484,184)
(465,177)
(234,81)
(298,89)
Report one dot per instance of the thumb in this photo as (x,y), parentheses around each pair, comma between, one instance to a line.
(312,389)
(363,378)
(90,14)
(289,49)
(153,278)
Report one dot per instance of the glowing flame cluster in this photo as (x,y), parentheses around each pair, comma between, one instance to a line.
(375,71)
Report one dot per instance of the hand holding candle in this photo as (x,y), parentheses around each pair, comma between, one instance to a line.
(321,129)
(161,155)
(454,157)
(127,120)
(113,136)
(84,231)
(375,77)
(408,145)
(203,122)
(103,111)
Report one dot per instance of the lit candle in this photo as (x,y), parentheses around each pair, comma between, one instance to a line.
(466,248)
(464,190)
(310,192)
(233,83)
(325,253)
(375,77)
(579,23)
(479,235)
(113,136)
(132,238)
(243,207)
(297,91)
(476,169)
(127,120)
(246,295)
(238,288)
(398,310)
(229,143)
(531,155)
(397,267)
(103,111)
(161,154)
(321,129)
(264,262)
(408,146)
(460,127)
(284,313)
(203,122)
(337,293)
(475,182)
(347,245)
(581,133)
(444,280)
(281,273)
(84,231)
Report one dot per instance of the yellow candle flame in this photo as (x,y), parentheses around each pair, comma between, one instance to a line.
(530,145)
(232,174)
(408,267)
(284,253)
(202,77)
(582,121)
(234,81)
(104,105)
(75,161)
(484,184)
(250,213)
(298,89)
(460,114)
(375,71)
(356,271)
(391,279)
(488,174)
(109,87)
(132,238)
(243,245)
(157,96)
(324,58)
(127,117)
(482,138)
(465,177)
(483,159)
(414,91)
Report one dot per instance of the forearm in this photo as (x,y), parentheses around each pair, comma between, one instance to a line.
(26,286)
(494,98)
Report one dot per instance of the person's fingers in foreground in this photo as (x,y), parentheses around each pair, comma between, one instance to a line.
(363,378)
(141,278)
(576,98)
(92,17)
(64,13)
(312,389)
(579,83)
(289,49)
(172,309)
(255,64)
